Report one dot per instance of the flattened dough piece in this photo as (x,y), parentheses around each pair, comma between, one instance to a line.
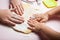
(22,29)
(24,26)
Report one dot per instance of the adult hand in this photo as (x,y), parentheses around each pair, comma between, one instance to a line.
(10,19)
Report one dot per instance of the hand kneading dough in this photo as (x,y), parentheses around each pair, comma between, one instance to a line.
(24,26)
(21,27)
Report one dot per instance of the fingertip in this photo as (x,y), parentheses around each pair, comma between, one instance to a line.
(13,24)
(44,20)
(21,22)
(30,28)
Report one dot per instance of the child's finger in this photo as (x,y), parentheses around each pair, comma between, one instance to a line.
(32,28)
(31,24)
(32,18)
(30,21)
(19,10)
(21,5)
(37,15)
(38,19)
(44,20)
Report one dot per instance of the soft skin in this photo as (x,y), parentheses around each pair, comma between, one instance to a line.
(37,23)
(7,18)
(16,6)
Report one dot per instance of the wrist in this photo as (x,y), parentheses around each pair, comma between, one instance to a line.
(47,15)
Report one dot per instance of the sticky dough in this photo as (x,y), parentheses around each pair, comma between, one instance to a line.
(24,26)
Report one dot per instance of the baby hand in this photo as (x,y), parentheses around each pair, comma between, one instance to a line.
(40,17)
(7,18)
(35,26)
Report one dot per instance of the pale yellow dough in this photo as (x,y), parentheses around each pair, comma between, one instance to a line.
(24,26)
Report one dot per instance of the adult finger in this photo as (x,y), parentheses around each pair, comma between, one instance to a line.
(14,6)
(8,22)
(21,5)
(18,17)
(19,10)
(15,20)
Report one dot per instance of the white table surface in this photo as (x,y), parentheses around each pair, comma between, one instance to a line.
(7,33)
(4,4)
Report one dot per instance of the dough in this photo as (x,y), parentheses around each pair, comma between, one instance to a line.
(22,29)
(24,26)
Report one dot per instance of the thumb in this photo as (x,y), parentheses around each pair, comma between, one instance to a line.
(44,20)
